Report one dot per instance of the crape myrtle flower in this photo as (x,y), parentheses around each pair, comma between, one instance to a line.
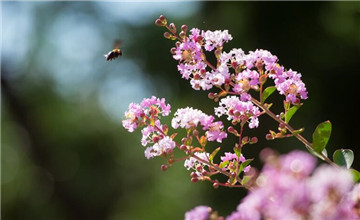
(192,64)
(286,190)
(289,83)
(191,163)
(190,118)
(238,111)
(162,147)
(198,213)
(148,110)
(233,157)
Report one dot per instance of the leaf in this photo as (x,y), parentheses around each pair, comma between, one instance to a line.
(245,179)
(237,151)
(321,136)
(213,154)
(267,92)
(244,164)
(344,157)
(356,175)
(315,153)
(291,112)
(223,164)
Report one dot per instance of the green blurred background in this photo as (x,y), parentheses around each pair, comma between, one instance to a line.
(64,153)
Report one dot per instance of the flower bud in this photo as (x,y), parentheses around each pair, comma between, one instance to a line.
(183,147)
(184,27)
(204,172)
(253,140)
(172,28)
(173,50)
(195,132)
(193,175)
(163,20)
(159,23)
(269,137)
(194,180)
(182,34)
(245,139)
(282,125)
(216,185)
(164,167)
(199,168)
(211,95)
(167,35)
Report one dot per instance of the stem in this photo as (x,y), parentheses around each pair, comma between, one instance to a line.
(290,129)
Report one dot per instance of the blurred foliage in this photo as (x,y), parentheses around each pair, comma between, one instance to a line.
(64,153)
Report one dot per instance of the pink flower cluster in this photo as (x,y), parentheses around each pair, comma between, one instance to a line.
(192,59)
(147,114)
(198,213)
(232,157)
(190,118)
(242,71)
(286,191)
(238,111)
(148,109)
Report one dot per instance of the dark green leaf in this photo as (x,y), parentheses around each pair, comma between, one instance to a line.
(356,175)
(344,157)
(213,154)
(267,92)
(291,112)
(321,136)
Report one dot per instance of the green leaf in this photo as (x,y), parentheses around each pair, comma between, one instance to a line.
(291,112)
(267,92)
(213,154)
(237,151)
(344,157)
(356,175)
(245,179)
(223,164)
(244,164)
(321,136)
(316,154)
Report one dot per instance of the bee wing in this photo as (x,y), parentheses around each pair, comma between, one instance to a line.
(117,44)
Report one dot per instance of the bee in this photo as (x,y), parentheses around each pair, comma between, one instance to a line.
(115,52)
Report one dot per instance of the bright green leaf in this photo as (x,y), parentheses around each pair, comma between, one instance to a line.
(213,154)
(291,112)
(223,164)
(321,136)
(245,179)
(344,157)
(356,175)
(267,92)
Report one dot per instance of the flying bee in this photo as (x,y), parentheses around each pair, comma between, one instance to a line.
(115,52)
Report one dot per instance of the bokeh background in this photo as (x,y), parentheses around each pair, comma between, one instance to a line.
(64,153)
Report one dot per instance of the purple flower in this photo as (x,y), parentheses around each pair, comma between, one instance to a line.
(133,117)
(163,146)
(287,191)
(190,118)
(215,132)
(290,85)
(238,111)
(198,213)
(215,39)
(192,162)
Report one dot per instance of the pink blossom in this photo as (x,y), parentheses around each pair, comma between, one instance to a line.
(215,39)
(133,117)
(239,111)
(163,146)
(192,162)
(190,118)
(198,213)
